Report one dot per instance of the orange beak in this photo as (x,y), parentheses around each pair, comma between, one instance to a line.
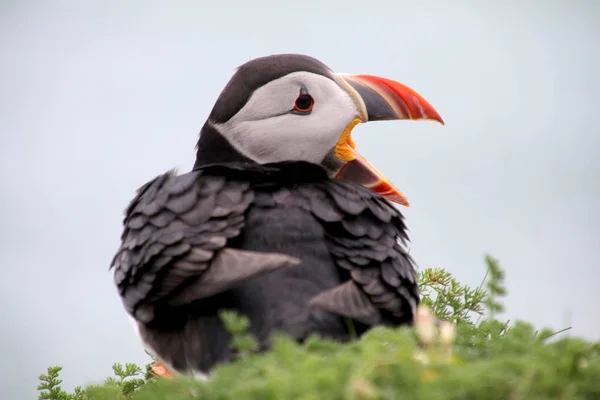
(378,99)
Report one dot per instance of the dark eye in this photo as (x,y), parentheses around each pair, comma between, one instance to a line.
(304,103)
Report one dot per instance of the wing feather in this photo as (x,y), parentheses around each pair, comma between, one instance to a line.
(366,236)
(173,248)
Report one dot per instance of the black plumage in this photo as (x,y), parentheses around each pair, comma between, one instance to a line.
(284,244)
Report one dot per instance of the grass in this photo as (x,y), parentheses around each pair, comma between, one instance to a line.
(468,355)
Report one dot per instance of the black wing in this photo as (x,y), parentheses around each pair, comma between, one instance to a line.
(173,248)
(366,235)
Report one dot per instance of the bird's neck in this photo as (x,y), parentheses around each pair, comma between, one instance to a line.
(214,148)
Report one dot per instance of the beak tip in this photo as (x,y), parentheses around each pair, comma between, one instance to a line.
(437,117)
(430,114)
(398,198)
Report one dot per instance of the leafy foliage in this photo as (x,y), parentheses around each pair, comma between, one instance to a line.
(450,354)
(244,343)
(448,299)
(50,388)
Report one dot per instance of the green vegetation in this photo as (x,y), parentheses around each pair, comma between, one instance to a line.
(466,354)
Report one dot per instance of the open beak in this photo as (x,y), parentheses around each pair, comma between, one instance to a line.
(378,99)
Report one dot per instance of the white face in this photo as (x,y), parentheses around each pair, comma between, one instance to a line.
(267,130)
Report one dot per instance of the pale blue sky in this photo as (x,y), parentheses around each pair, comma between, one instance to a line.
(98,97)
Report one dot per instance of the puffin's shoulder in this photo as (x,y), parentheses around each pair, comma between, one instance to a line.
(310,182)
(282,172)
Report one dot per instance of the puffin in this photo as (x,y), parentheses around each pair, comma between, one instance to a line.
(280,219)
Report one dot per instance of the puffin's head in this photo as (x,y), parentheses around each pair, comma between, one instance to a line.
(293,107)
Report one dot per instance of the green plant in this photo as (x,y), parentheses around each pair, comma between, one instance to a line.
(50,388)
(456,351)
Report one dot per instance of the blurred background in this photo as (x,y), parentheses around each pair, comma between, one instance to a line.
(96,98)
